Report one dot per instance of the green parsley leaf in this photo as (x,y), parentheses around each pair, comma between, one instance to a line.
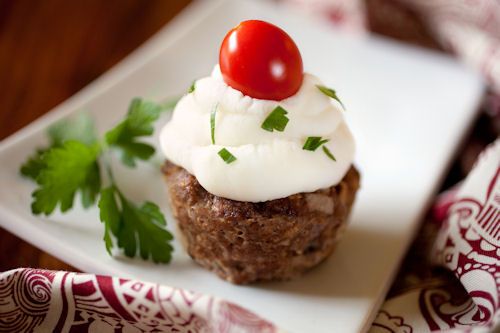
(32,167)
(137,229)
(68,169)
(329,153)
(79,128)
(135,150)
(313,142)
(71,165)
(192,87)
(91,187)
(330,93)
(212,122)
(109,215)
(226,156)
(138,123)
(276,120)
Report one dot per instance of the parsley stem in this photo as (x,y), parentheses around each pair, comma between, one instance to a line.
(106,160)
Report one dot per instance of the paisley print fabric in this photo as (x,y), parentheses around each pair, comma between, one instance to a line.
(34,300)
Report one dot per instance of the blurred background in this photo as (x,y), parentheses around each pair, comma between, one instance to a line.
(51,49)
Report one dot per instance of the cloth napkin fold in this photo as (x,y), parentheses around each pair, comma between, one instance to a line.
(35,300)
(468,245)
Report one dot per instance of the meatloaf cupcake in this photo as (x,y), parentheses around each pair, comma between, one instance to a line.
(259,163)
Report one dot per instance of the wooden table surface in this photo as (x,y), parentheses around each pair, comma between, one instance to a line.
(51,49)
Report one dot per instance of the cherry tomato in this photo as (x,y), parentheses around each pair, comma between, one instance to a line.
(261,60)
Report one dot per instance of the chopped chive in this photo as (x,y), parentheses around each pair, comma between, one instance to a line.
(212,122)
(276,120)
(330,93)
(192,87)
(313,142)
(226,156)
(329,153)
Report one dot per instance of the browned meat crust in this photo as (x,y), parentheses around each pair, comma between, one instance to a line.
(273,240)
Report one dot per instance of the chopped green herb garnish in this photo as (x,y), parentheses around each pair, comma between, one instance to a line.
(192,87)
(212,122)
(330,93)
(226,156)
(72,164)
(276,120)
(313,142)
(329,153)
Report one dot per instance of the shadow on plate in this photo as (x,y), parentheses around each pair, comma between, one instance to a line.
(347,273)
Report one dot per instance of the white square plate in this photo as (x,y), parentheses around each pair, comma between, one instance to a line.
(407,107)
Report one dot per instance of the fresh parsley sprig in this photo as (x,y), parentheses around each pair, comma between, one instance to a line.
(79,128)
(138,123)
(135,228)
(31,168)
(65,171)
(72,163)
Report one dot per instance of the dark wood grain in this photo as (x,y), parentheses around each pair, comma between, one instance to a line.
(51,49)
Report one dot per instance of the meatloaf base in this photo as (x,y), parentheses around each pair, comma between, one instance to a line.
(243,242)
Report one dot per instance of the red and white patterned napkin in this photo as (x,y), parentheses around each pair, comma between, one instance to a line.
(467,244)
(33,300)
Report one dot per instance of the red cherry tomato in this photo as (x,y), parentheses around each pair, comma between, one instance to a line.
(261,60)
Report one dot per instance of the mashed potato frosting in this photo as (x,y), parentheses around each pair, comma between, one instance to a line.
(269,165)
